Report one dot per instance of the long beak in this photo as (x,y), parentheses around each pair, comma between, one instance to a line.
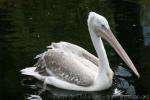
(110,38)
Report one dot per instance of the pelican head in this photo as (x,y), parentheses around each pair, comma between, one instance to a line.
(99,28)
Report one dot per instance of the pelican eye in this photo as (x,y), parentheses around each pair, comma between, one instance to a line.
(103,25)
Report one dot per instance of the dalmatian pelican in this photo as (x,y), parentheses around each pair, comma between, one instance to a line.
(68,66)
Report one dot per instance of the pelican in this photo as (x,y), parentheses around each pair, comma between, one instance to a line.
(68,66)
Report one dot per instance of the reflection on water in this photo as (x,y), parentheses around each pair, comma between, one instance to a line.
(27,27)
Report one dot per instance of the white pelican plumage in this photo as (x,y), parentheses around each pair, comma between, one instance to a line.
(68,66)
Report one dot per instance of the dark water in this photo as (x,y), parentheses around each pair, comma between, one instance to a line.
(28,26)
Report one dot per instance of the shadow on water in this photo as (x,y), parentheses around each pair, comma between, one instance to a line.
(27,27)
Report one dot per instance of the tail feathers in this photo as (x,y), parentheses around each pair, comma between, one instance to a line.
(31,72)
(28,71)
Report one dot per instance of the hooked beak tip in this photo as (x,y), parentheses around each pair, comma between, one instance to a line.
(138,75)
